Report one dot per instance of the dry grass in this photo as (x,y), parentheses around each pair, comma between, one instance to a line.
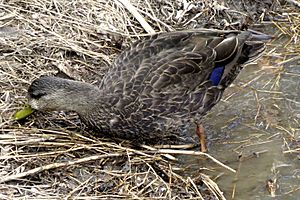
(52,164)
(50,155)
(288,62)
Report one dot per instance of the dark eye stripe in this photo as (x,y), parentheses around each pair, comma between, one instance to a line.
(36,94)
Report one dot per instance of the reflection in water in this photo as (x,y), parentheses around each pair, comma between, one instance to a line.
(250,129)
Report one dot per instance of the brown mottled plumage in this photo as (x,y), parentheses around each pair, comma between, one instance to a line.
(158,86)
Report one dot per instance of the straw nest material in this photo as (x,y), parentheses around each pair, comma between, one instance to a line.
(51,155)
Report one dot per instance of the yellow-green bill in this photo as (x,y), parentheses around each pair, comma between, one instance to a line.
(21,114)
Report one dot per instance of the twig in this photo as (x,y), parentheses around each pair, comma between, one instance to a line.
(168,156)
(195,187)
(137,15)
(296,3)
(213,187)
(57,165)
(195,153)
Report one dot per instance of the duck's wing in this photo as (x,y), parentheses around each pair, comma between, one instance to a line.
(175,73)
(187,52)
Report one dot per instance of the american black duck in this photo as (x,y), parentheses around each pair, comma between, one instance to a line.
(158,86)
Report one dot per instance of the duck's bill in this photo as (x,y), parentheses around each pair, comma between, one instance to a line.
(25,112)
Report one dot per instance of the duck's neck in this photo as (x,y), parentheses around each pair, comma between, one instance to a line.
(82,97)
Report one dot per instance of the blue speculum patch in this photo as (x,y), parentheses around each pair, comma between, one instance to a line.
(216,75)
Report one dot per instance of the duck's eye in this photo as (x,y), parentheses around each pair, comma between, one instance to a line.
(37,94)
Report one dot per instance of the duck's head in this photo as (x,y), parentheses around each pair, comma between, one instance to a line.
(47,93)
(54,93)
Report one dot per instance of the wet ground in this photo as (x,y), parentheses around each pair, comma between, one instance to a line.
(252,129)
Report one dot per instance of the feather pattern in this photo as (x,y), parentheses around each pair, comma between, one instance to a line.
(168,80)
(164,81)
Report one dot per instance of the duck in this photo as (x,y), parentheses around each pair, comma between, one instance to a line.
(157,87)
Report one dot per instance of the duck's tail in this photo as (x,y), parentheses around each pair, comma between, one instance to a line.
(259,36)
(254,46)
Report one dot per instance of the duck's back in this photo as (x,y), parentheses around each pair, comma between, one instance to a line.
(178,75)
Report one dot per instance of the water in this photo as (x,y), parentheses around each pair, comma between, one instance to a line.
(258,119)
